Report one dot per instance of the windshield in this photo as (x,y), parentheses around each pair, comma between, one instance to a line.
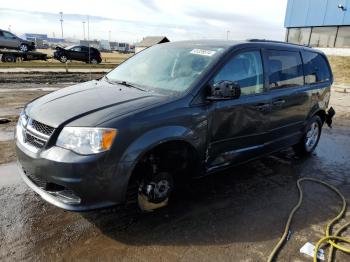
(69,47)
(165,67)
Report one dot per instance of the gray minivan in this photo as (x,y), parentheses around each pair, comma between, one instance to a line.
(170,113)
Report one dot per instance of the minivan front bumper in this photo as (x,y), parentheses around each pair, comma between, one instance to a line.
(70,181)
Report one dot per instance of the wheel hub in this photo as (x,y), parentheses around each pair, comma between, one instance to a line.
(158,189)
(161,189)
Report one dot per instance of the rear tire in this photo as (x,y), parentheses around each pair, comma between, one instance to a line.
(93,61)
(8,58)
(311,137)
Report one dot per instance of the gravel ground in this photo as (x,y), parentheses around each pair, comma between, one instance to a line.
(236,215)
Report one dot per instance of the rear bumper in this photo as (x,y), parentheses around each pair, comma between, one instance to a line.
(70,181)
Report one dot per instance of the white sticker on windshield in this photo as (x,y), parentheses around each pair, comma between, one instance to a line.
(203,52)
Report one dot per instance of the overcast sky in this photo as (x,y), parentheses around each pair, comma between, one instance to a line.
(130,20)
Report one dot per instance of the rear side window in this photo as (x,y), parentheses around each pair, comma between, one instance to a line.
(285,69)
(316,68)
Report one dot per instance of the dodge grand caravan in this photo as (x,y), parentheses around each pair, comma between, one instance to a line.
(182,109)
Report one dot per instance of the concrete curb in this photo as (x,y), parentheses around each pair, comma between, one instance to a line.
(341,87)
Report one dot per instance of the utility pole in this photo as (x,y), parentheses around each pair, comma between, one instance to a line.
(88,29)
(84,29)
(88,35)
(9,28)
(227,34)
(61,20)
(109,36)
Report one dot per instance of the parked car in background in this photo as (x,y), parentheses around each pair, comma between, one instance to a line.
(11,41)
(122,47)
(170,113)
(78,53)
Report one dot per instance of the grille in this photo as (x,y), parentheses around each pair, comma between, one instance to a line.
(42,128)
(38,181)
(34,141)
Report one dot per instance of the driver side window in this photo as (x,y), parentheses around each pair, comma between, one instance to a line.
(246,70)
(8,35)
(76,49)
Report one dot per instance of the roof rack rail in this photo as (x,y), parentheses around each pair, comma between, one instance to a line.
(275,41)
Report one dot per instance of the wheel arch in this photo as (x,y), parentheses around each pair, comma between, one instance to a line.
(150,141)
(322,114)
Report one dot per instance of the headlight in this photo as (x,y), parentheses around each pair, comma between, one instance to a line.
(22,122)
(86,140)
(23,119)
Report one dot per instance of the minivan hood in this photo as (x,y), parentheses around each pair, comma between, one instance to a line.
(71,103)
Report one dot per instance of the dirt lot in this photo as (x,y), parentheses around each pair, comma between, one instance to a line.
(340,67)
(109,60)
(237,215)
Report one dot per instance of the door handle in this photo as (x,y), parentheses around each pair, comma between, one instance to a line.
(278,102)
(263,106)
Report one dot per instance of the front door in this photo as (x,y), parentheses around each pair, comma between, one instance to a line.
(8,40)
(239,127)
(76,53)
(290,98)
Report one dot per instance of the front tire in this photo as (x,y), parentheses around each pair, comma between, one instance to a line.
(311,137)
(63,59)
(23,48)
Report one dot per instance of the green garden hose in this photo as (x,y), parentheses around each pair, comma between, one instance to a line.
(330,239)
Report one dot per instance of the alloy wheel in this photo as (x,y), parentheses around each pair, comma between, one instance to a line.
(312,136)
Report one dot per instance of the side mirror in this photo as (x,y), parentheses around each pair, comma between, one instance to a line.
(225,90)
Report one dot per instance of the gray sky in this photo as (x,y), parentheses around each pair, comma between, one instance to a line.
(130,20)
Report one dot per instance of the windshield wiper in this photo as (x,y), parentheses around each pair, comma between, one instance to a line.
(107,79)
(124,83)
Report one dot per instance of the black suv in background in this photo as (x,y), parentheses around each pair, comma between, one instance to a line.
(175,110)
(11,41)
(78,53)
